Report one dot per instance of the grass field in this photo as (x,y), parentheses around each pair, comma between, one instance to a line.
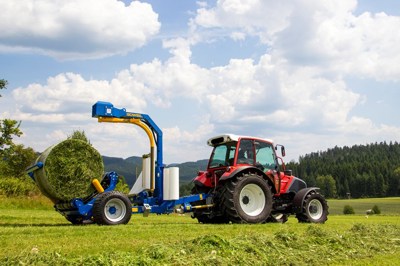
(37,235)
(388,206)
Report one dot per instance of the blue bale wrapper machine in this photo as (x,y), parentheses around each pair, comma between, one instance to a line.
(156,190)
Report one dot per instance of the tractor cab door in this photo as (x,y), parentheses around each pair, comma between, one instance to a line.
(265,155)
(260,154)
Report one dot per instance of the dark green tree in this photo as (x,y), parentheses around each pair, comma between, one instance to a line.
(17,160)
(394,183)
(327,184)
(8,129)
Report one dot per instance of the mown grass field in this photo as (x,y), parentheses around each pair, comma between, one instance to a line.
(34,234)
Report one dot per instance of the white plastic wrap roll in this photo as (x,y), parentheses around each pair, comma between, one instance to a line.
(174,183)
(138,186)
(146,172)
(166,184)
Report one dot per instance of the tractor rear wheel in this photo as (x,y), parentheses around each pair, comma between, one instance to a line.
(205,216)
(314,209)
(247,199)
(112,208)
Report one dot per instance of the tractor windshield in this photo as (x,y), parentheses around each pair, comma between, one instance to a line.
(223,155)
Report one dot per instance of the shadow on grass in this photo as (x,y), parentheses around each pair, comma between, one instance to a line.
(40,225)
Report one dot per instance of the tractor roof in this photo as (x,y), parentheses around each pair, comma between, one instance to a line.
(230,137)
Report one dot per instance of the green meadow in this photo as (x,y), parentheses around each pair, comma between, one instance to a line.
(32,233)
(388,206)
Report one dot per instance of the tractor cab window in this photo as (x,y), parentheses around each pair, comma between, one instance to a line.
(223,155)
(265,155)
(246,152)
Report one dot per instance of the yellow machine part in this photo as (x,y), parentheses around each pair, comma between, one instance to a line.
(97,186)
(149,133)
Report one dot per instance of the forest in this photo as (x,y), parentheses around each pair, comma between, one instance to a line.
(371,170)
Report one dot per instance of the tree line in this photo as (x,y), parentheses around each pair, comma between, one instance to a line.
(371,170)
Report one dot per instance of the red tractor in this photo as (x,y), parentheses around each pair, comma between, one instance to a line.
(245,183)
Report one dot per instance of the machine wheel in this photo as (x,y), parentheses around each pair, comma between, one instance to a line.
(314,209)
(112,208)
(247,199)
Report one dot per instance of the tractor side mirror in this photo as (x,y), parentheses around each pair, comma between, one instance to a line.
(282,149)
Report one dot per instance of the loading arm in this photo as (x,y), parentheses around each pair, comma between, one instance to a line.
(106,112)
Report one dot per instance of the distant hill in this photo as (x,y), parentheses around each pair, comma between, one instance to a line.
(131,167)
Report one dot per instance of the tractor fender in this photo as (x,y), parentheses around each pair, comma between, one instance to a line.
(300,196)
(227,175)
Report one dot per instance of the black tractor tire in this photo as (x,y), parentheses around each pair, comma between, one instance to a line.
(112,208)
(314,209)
(206,215)
(246,199)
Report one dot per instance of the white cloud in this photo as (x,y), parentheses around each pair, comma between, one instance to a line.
(252,16)
(319,33)
(76,29)
(243,93)
(188,144)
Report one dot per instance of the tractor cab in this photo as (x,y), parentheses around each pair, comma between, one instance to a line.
(231,150)
(232,153)
(235,151)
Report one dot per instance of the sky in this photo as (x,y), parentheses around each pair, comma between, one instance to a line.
(309,74)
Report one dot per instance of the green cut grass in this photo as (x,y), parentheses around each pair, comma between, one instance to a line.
(44,237)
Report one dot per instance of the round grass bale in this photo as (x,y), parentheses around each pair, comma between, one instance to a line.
(69,168)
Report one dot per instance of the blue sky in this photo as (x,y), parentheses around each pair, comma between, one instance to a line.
(308,74)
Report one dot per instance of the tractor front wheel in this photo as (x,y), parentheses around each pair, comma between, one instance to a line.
(112,208)
(314,209)
(247,199)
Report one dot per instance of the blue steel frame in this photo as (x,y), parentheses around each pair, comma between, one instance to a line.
(156,203)
(85,209)
(106,109)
